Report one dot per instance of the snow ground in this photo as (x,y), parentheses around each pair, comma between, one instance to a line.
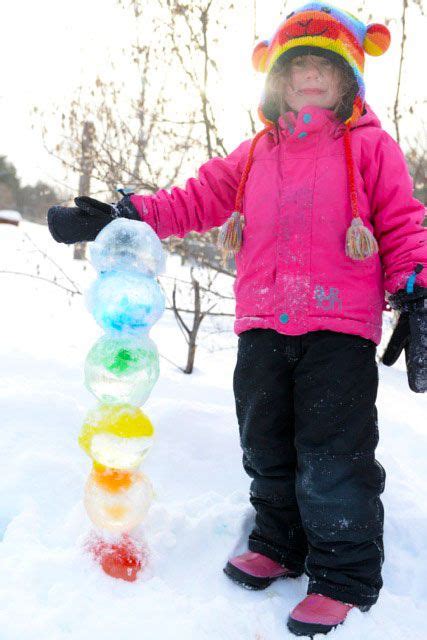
(49,588)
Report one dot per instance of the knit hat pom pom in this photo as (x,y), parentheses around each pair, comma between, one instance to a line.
(360,242)
(377,39)
(259,55)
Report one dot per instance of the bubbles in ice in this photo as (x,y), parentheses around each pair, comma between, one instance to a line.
(117,501)
(117,436)
(129,245)
(125,301)
(122,368)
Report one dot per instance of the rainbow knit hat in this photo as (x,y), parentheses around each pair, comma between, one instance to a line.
(323,29)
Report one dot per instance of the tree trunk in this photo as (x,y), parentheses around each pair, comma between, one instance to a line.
(396,107)
(198,315)
(191,353)
(86,164)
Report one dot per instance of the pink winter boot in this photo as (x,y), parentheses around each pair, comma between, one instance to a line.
(318,614)
(256,571)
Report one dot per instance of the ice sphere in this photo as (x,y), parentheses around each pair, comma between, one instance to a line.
(130,245)
(120,558)
(119,453)
(122,369)
(124,301)
(117,436)
(117,501)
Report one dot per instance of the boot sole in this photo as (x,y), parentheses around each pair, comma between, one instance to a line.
(309,629)
(252,582)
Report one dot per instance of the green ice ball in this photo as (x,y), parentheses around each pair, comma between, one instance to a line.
(122,369)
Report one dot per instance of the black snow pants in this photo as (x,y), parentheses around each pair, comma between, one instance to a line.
(308,430)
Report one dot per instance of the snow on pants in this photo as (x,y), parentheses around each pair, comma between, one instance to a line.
(308,430)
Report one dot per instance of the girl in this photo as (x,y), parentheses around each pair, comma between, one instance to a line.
(324,223)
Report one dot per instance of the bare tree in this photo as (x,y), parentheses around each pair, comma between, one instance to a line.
(397,115)
(191,27)
(203,299)
(417,163)
(192,42)
(187,30)
(135,137)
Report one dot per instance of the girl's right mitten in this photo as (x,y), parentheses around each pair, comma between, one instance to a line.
(83,222)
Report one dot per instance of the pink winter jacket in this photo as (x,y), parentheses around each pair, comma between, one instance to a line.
(292,271)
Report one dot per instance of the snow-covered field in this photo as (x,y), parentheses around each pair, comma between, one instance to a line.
(51,590)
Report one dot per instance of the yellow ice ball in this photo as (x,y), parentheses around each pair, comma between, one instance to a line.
(117,435)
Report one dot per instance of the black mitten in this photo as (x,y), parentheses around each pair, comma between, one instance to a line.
(410,334)
(85,221)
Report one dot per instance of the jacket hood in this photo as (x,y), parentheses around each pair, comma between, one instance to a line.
(369,119)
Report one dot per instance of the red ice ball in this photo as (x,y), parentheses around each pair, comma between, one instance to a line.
(120,559)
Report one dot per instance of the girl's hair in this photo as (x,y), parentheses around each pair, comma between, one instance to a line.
(274,100)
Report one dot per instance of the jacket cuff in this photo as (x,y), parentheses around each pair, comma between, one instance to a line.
(126,209)
(145,209)
(395,283)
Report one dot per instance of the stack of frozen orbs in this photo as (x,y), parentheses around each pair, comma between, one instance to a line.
(121,369)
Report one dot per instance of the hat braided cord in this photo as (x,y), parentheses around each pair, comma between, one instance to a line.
(230,234)
(360,242)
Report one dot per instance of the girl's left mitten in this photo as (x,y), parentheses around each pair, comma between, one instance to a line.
(416,354)
(410,334)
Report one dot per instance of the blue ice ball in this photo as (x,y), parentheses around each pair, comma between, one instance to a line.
(121,301)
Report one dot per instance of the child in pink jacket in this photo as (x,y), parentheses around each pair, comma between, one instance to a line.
(323,224)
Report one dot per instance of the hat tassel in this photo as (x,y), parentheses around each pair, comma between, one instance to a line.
(359,242)
(230,234)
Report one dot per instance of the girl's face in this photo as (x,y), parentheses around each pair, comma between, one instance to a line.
(311,80)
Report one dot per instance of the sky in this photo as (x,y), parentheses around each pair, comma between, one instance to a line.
(53,46)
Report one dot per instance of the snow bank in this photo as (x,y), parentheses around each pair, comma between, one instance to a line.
(7,215)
